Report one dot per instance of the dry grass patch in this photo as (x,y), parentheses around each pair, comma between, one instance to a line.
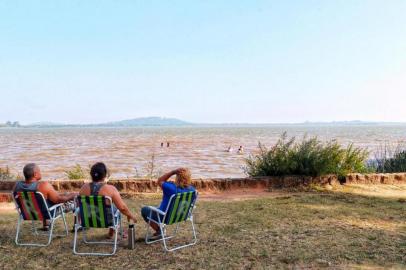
(336,229)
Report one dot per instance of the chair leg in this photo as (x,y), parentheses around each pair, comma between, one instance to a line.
(34,228)
(115,241)
(121,229)
(19,224)
(148,233)
(64,223)
(51,230)
(75,238)
(194,239)
(75,243)
(18,230)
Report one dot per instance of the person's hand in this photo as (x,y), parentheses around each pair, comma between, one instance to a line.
(73,195)
(178,170)
(131,218)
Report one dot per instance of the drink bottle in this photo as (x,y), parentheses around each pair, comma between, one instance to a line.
(131,236)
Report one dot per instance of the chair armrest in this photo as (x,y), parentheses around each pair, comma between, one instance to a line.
(156,210)
(55,206)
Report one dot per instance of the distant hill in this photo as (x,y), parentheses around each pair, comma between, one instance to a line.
(173,122)
(147,121)
(137,122)
(45,124)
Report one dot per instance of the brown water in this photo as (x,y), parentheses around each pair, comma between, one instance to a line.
(127,151)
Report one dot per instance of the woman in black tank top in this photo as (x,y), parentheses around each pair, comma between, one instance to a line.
(99,173)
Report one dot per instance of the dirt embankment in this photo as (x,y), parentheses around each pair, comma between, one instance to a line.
(221,185)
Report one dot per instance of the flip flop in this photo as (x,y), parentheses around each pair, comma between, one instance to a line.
(124,236)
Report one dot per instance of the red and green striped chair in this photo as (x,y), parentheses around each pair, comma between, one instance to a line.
(32,206)
(96,212)
(180,209)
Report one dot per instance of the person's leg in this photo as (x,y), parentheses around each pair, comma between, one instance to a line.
(111,231)
(46,222)
(145,213)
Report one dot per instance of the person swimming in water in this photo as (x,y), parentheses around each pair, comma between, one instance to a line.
(229,149)
(240,150)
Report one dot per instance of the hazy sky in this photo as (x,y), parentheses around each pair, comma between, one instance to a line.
(203,61)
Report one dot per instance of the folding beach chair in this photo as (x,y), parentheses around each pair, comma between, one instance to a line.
(32,206)
(180,209)
(96,212)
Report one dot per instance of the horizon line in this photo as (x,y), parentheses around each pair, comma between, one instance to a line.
(186,123)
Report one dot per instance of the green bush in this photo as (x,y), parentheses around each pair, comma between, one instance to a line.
(310,157)
(389,161)
(6,175)
(77,172)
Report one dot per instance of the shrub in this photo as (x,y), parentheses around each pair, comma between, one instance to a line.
(310,157)
(6,175)
(388,160)
(151,168)
(77,172)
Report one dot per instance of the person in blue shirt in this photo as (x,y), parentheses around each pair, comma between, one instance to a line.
(182,184)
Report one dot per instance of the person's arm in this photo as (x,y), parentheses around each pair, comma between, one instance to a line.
(166,177)
(14,187)
(50,193)
(120,204)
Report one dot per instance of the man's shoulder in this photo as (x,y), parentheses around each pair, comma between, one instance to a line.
(45,186)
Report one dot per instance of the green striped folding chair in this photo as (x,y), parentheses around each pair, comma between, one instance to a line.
(96,212)
(180,209)
(32,206)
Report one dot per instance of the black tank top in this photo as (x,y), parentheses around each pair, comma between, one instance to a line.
(95,188)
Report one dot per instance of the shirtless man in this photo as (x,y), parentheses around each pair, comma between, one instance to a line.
(32,175)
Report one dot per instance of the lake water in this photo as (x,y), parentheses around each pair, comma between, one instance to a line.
(127,151)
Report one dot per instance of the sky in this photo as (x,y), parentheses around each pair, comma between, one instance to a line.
(206,61)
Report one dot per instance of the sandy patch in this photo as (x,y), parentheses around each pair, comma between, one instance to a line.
(7,207)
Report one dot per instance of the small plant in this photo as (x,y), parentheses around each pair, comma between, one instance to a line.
(151,168)
(6,175)
(77,172)
(310,157)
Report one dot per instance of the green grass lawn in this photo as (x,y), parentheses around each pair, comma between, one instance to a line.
(350,227)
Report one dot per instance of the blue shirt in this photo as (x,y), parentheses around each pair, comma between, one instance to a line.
(169,189)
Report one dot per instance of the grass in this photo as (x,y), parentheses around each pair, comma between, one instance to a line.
(349,227)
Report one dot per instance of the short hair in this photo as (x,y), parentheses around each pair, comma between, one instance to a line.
(29,170)
(98,171)
(184,178)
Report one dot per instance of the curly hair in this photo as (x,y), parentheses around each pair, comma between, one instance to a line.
(184,178)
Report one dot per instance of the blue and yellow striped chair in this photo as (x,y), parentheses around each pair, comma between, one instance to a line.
(96,212)
(32,206)
(180,209)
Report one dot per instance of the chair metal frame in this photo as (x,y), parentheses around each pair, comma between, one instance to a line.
(116,217)
(163,226)
(57,213)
